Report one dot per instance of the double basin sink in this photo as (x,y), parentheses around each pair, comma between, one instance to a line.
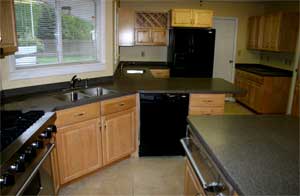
(84,93)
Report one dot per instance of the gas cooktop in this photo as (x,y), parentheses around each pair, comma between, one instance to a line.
(14,123)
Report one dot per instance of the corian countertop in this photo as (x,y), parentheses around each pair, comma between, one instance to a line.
(258,154)
(124,84)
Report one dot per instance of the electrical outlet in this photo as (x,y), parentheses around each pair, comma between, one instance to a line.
(142,53)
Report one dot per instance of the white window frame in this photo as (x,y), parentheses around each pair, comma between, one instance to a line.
(67,68)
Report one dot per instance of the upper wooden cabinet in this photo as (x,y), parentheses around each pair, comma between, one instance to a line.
(126,26)
(8,35)
(273,32)
(151,28)
(191,18)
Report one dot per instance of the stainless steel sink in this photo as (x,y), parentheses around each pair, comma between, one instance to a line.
(97,91)
(72,96)
(83,94)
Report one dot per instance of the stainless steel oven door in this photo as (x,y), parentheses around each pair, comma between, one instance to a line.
(208,175)
(40,180)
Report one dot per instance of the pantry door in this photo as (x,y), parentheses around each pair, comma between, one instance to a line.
(225,47)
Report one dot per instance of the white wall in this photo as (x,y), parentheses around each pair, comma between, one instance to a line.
(9,84)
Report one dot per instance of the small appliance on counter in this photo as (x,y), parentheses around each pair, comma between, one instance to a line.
(191,52)
(26,144)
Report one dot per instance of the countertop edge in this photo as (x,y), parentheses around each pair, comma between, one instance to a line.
(215,159)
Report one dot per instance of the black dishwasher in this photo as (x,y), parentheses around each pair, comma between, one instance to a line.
(163,123)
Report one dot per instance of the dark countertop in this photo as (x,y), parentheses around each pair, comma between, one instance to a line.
(124,84)
(259,155)
(264,70)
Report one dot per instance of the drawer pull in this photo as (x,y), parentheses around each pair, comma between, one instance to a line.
(79,114)
(207,101)
(121,104)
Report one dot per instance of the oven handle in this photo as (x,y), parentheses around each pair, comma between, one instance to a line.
(214,187)
(194,165)
(35,170)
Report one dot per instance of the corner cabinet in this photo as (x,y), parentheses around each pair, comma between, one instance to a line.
(8,35)
(273,32)
(191,18)
(119,128)
(118,135)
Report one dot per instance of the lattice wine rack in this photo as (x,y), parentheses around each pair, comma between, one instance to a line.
(151,20)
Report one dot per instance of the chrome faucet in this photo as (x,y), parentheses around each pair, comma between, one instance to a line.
(73,81)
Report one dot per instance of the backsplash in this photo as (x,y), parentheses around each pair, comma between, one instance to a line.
(279,60)
(144,53)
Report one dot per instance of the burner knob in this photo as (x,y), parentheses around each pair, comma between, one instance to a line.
(30,153)
(38,144)
(7,179)
(18,166)
(46,135)
(52,128)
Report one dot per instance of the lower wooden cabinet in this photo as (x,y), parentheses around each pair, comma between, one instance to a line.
(55,170)
(118,135)
(192,186)
(264,94)
(160,73)
(206,104)
(295,107)
(79,149)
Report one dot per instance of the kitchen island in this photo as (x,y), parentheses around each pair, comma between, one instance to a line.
(258,155)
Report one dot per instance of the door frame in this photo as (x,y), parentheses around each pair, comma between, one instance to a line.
(235,20)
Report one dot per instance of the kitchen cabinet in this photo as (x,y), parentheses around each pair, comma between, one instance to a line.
(191,18)
(119,128)
(151,28)
(79,149)
(55,170)
(206,104)
(118,135)
(8,34)
(295,106)
(160,73)
(273,32)
(78,141)
(126,27)
(192,186)
(264,94)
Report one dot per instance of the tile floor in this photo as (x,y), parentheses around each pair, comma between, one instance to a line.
(233,108)
(159,176)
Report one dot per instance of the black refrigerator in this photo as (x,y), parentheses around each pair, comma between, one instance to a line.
(191,52)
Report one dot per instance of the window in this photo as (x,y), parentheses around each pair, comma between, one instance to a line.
(58,34)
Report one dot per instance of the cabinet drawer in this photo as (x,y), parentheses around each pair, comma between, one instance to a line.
(118,104)
(206,100)
(206,110)
(160,73)
(77,114)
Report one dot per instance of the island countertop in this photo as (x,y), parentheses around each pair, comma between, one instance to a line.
(258,154)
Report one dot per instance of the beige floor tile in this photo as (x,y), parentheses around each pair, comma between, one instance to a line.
(158,176)
(232,108)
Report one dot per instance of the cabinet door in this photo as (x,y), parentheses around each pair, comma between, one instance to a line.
(255,96)
(181,18)
(159,36)
(8,35)
(55,170)
(253,32)
(295,107)
(267,36)
(202,18)
(143,37)
(118,135)
(192,185)
(126,26)
(79,149)
(275,30)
